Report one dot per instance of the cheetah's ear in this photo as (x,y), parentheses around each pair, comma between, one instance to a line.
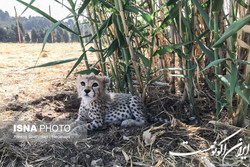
(92,74)
(105,82)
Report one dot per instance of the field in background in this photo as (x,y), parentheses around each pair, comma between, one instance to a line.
(20,88)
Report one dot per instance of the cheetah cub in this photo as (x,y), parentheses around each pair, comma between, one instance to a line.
(99,108)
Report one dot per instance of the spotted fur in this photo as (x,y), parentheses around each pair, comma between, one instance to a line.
(99,108)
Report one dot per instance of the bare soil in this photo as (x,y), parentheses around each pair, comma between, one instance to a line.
(45,94)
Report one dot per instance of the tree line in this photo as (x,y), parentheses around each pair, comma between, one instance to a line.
(33,30)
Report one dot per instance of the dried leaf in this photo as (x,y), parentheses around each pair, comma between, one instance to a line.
(159,163)
(243,44)
(246,28)
(125,137)
(127,158)
(150,138)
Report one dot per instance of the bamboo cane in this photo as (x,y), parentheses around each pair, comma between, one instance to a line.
(18,28)
(129,45)
(93,33)
(52,37)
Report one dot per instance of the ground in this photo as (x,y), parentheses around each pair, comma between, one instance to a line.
(44,94)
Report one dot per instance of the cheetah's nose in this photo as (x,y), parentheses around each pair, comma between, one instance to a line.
(86,91)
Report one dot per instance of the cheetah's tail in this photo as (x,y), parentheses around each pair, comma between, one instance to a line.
(156,120)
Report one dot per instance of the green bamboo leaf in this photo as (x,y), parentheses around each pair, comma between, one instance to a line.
(176,46)
(72,4)
(122,43)
(206,50)
(112,48)
(31,2)
(156,79)
(177,69)
(213,63)
(239,92)
(86,36)
(84,5)
(95,2)
(53,63)
(91,49)
(137,11)
(69,9)
(140,34)
(242,61)
(204,15)
(112,69)
(209,83)
(243,86)
(52,28)
(217,5)
(87,72)
(227,83)
(46,15)
(242,3)
(170,69)
(164,50)
(186,22)
(169,48)
(108,5)
(93,66)
(233,80)
(225,80)
(145,61)
(115,75)
(180,54)
(76,64)
(102,29)
(171,2)
(232,30)
(231,55)
(173,13)
(178,75)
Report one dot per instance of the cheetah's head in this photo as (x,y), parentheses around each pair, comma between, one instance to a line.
(91,87)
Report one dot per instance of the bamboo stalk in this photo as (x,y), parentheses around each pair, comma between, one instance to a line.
(129,45)
(93,33)
(172,62)
(182,83)
(82,43)
(242,108)
(188,53)
(52,37)
(217,68)
(99,38)
(18,28)
(114,56)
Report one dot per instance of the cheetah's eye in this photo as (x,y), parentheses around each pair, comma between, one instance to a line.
(95,85)
(83,83)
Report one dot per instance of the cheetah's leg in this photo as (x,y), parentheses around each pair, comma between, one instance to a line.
(135,106)
(79,121)
(82,126)
(131,122)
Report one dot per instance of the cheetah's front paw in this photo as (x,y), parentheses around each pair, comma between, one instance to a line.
(128,123)
(79,129)
(131,122)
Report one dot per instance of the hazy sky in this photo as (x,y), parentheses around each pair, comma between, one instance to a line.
(57,11)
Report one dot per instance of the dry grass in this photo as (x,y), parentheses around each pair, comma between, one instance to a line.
(23,86)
